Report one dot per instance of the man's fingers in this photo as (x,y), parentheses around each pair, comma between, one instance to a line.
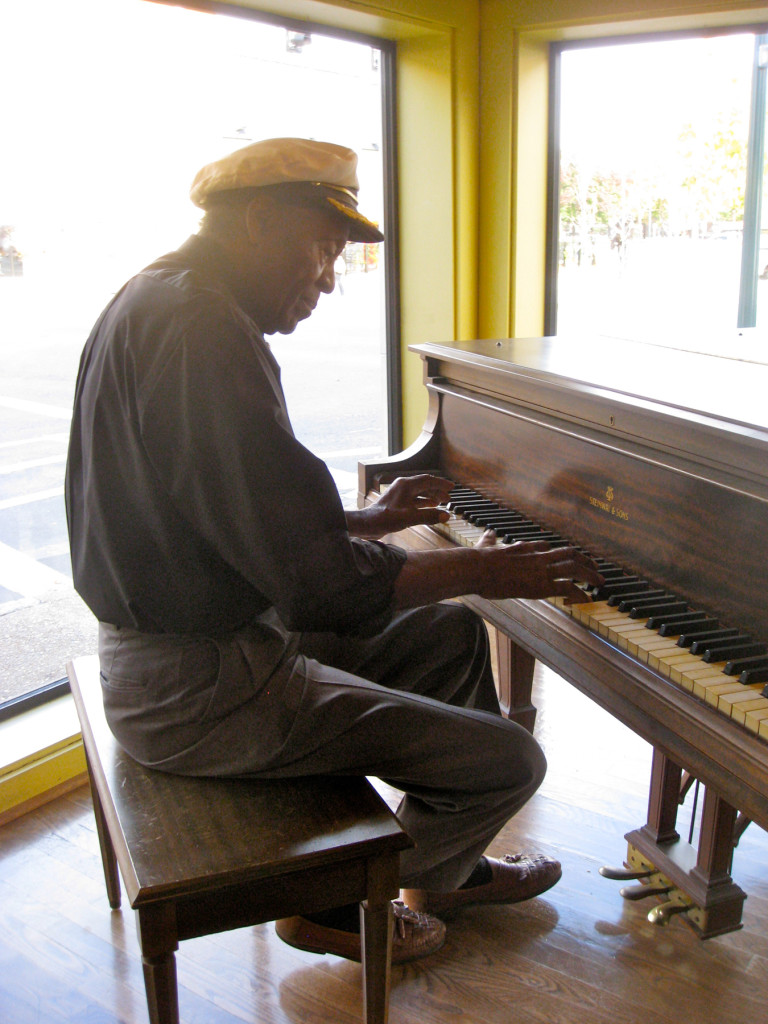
(528,547)
(571,593)
(424,487)
(572,571)
(488,540)
(431,516)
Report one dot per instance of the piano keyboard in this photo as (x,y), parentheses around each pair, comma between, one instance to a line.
(715,663)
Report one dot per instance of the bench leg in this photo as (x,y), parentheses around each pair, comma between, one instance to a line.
(108,859)
(161,987)
(158,941)
(376,936)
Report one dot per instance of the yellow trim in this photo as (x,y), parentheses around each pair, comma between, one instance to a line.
(42,756)
(41,781)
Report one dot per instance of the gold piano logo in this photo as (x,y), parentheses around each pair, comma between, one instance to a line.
(608,505)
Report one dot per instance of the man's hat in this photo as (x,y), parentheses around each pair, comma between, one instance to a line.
(321,173)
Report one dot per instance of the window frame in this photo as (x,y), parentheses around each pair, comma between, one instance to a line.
(556,49)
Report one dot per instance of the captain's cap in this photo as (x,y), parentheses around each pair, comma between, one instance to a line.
(320,173)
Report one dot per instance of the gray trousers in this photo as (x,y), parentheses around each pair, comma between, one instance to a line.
(414,706)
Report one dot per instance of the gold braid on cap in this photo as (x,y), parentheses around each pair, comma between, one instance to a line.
(350,213)
(350,193)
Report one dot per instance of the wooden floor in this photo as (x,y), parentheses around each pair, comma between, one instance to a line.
(578,955)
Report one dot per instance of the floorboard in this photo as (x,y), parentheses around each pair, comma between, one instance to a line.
(578,955)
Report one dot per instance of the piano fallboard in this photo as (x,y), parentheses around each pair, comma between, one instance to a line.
(655,460)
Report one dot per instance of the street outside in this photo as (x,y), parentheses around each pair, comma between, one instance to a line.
(333,377)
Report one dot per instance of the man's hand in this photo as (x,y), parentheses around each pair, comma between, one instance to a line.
(532,569)
(528,569)
(408,501)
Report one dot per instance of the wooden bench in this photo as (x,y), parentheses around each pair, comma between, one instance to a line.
(199,856)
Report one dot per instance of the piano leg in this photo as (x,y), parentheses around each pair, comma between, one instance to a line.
(699,875)
(515,681)
(663,799)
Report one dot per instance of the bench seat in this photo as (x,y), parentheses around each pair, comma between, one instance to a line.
(199,856)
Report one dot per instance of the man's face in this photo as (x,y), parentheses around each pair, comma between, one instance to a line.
(293,253)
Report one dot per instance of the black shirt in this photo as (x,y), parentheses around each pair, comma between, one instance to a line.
(191,506)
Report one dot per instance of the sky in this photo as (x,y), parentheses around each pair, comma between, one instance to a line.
(623,105)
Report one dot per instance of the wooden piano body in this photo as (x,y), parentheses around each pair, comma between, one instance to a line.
(658,460)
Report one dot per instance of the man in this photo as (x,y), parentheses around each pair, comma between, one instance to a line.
(248,625)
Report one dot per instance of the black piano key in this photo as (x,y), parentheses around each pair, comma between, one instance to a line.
(609,571)
(497,522)
(695,628)
(479,504)
(703,635)
(464,504)
(463,492)
(667,625)
(624,579)
(489,515)
(701,646)
(620,585)
(738,665)
(501,525)
(500,512)
(477,508)
(606,564)
(528,535)
(522,529)
(624,601)
(755,675)
(643,609)
(457,506)
(735,650)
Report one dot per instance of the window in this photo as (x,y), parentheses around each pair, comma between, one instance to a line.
(108,111)
(657,228)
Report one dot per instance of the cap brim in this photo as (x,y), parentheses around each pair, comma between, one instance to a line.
(360,228)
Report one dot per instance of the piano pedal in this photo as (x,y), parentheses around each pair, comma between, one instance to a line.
(643,891)
(663,913)
(652,884)
(720,914)
(626,874)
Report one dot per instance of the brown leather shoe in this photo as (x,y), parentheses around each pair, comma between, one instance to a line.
(514,878)
(414,935)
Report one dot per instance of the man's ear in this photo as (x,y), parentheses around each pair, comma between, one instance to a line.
(261,215)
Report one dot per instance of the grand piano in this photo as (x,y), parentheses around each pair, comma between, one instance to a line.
(655,461)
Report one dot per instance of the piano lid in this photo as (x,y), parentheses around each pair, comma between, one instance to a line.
(709,408)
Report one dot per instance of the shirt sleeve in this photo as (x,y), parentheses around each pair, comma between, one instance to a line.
(215,427)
